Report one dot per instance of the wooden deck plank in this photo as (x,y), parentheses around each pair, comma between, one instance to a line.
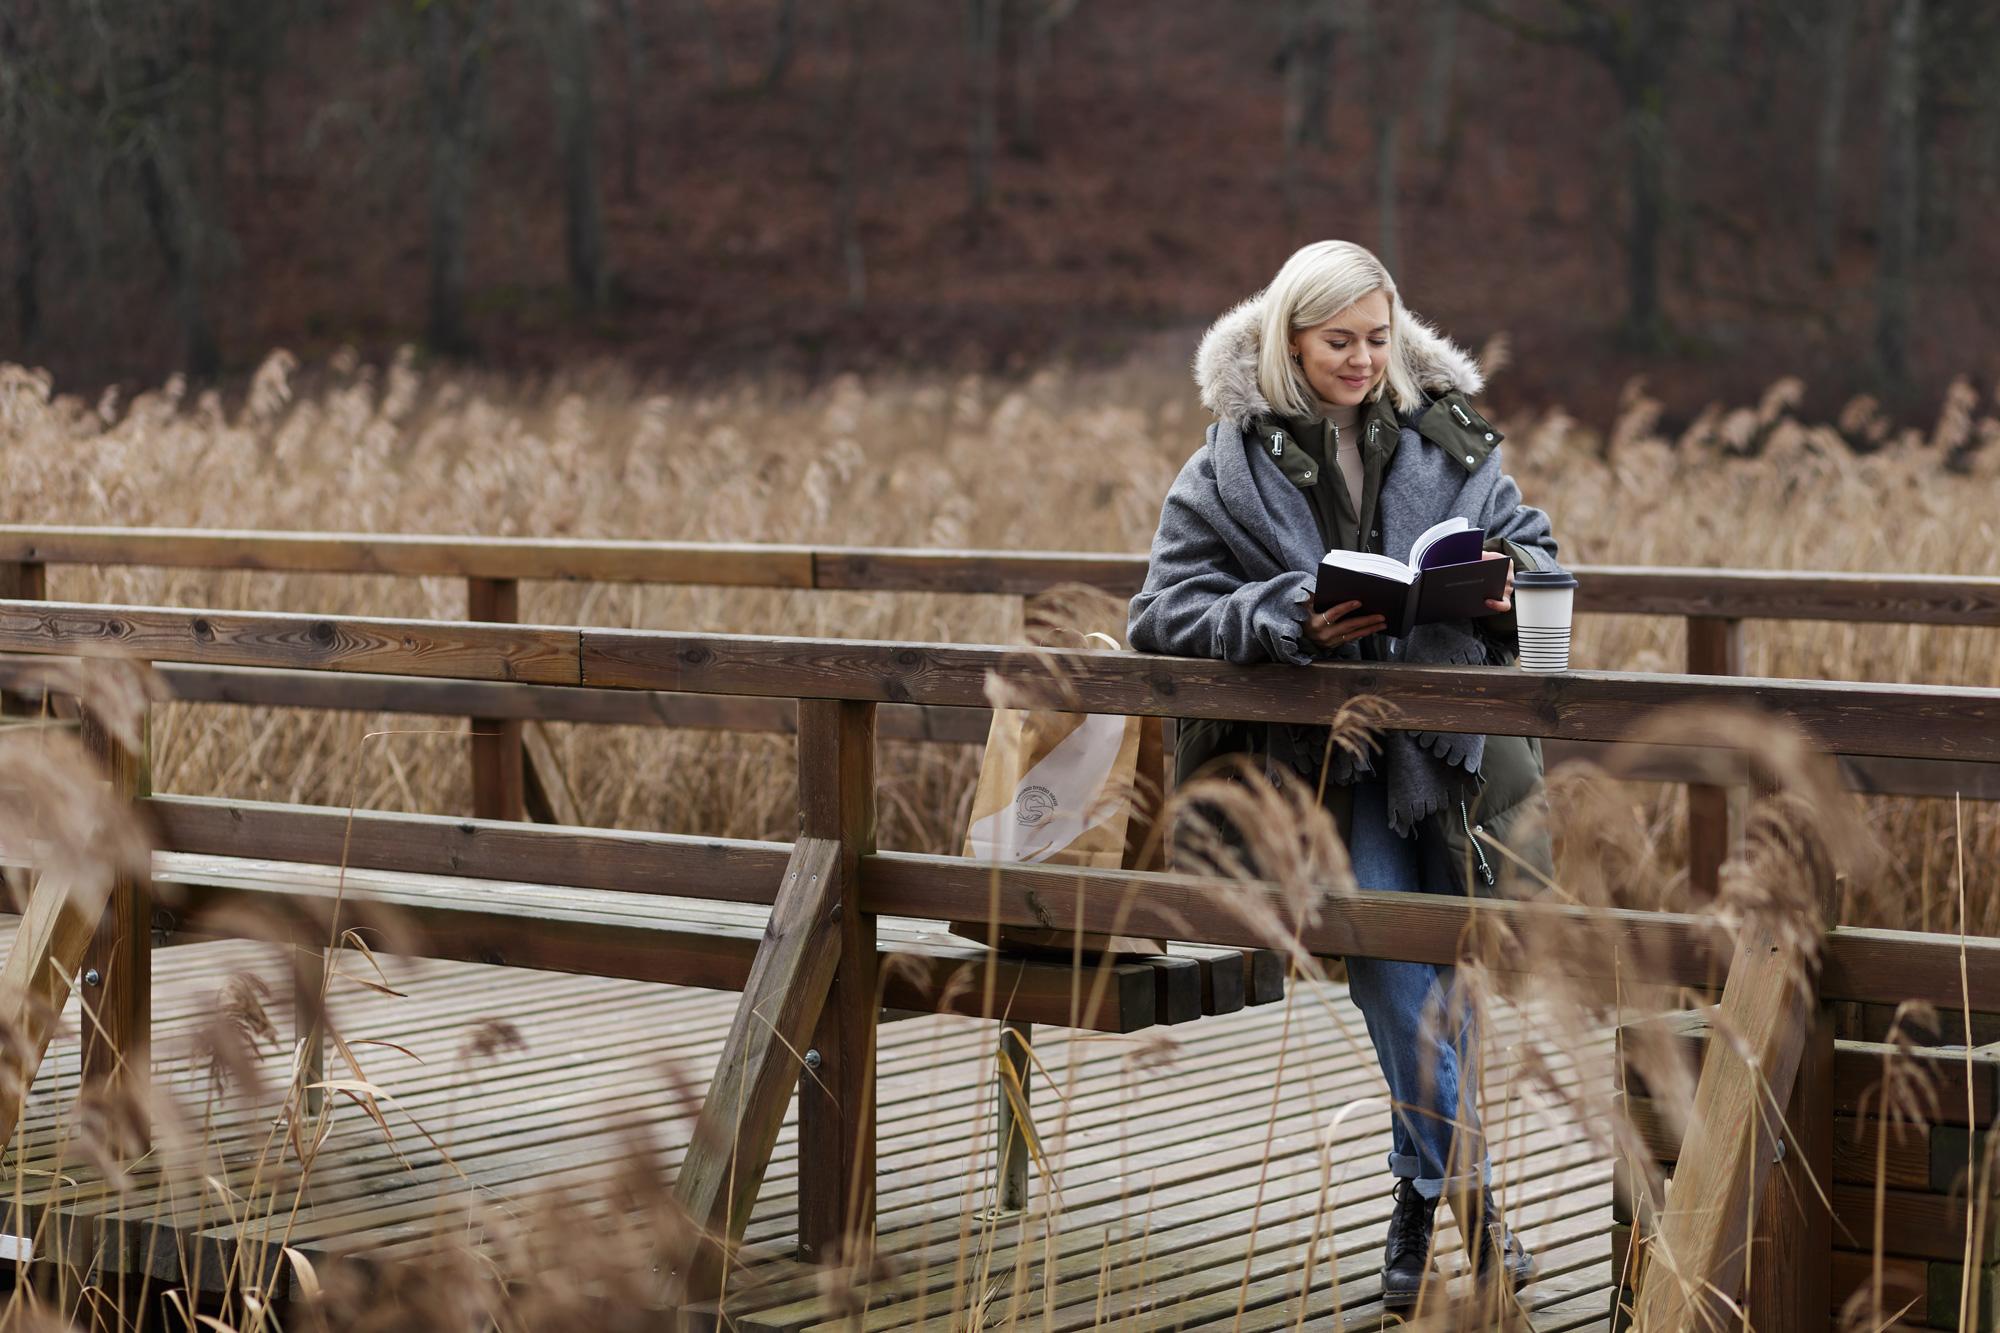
(1136,1151)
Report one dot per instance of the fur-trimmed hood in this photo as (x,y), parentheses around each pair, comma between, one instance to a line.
(1225,365)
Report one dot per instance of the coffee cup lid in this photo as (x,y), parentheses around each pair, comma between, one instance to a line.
(1545,578)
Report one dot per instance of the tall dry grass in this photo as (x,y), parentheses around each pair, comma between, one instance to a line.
(1063,460)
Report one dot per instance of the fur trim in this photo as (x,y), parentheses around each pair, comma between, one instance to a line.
(1225,365)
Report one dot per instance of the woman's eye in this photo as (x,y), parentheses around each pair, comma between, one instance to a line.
(1383,343)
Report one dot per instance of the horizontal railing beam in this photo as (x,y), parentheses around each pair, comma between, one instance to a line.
(368,692)
(1879,966)
(1913,721)
(1882,966)
(1607,589)
(672,865)
(363,692)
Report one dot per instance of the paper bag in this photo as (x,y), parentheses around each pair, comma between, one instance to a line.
(1058,788)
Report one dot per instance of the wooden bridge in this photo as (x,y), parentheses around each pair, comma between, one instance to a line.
(823,935)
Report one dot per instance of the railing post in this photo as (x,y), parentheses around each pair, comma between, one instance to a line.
(498,785)
(1715,814)
(1015,1039)
(26,581)
(837,1092)
(117,967)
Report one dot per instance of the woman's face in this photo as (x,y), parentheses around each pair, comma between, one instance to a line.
(1344,358)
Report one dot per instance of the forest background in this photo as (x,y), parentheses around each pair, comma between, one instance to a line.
(1710,194)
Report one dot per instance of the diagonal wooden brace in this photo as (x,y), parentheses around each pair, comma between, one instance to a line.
(55,932)
(761,1062)
(1768,1011)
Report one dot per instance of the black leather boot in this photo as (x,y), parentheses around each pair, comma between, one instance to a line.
(1500,1250)
(1406,1256)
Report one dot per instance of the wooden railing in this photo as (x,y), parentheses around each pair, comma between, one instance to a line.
(810,976)
(1713,602)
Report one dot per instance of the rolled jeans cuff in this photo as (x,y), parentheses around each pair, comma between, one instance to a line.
(1435,1187)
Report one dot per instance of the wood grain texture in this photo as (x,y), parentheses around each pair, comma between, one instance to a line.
(1751,594)
(367,692)
(55,930)
(1715,814)
(837,1161)
(704,563)
(761,1061)
(545,786)
(272,639)
(1884,966)
(499,785)
(631,862)
(1844,718)
(1696,1268)
(596,933)
(1788,1287)
(1627,590)
(118,1005)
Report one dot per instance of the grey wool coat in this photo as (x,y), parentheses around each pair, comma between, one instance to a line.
(1233,562)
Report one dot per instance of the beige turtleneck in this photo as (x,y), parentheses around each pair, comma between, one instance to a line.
(1347,449)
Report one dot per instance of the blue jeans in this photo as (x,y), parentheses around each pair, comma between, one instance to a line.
(1408,1007)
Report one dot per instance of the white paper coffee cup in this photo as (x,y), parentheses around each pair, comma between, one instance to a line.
(1543,602)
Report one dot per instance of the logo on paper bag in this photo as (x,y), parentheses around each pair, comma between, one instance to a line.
(1034,806)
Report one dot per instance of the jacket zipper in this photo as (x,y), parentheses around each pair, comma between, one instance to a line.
(1485,870)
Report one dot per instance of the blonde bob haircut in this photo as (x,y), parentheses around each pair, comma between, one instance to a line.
(1317,283)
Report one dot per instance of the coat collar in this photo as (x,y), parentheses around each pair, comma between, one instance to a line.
(1225,365)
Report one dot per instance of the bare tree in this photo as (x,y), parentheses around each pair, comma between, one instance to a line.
(632,42)
(784,44)
(16,138)
(452,37)
(1044,17)
(571,66)
(1635,43)
(982,44)
(847,202)
(1837,36)
(1304,62)
(1899,194)
(1438,81)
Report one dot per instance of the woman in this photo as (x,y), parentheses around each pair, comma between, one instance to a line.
(1344,420)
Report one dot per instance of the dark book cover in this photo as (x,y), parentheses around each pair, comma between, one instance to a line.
(1456,591)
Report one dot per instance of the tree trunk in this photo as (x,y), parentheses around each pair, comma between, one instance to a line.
(711,44)
(983,47)
(1838,33)
(1646,136)
(174,234)
(1386,127)
(847,199)
(576,135)
(452,52)
(1899,198)
(783,45)
(633,41)
(1438,82)
(27,220)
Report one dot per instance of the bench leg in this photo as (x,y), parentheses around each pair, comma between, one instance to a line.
(1015,1038)
(309,977)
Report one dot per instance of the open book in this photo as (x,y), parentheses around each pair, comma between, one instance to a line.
(1447,577)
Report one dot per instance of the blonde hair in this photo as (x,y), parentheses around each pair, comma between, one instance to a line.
(1317,283)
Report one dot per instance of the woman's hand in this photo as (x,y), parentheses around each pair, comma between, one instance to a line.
(1505,602)
(1337,625)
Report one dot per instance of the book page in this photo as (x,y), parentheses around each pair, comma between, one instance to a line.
(1367,562)
(1435,533)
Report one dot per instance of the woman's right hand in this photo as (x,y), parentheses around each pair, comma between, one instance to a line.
(1338,624)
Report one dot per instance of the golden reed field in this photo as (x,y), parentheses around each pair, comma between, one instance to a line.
(1065,460)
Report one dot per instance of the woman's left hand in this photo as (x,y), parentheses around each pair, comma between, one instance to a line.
(1505,602)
